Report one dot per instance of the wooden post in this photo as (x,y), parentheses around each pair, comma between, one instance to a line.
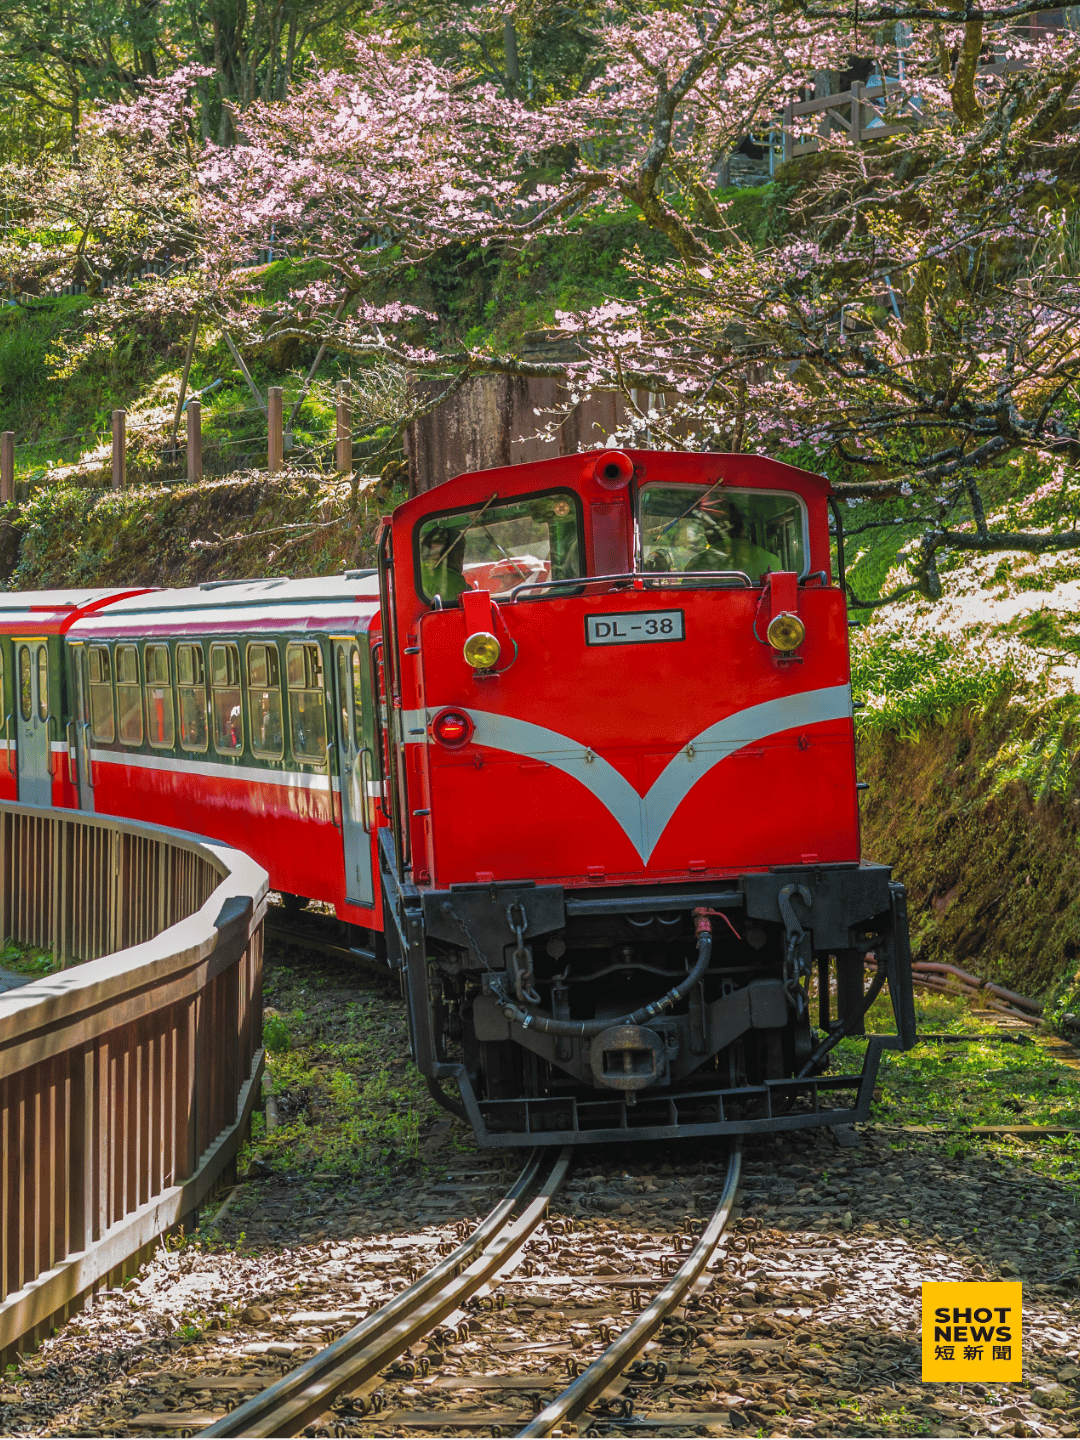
(343,448)
(275,441)
(856,112)
(119,449)
(194,442)
(7,467)
(789,131)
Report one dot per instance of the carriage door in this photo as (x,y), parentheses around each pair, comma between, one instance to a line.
(32,717)
(356,769)
(79,728)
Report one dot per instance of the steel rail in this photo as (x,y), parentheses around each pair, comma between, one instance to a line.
(591,1383)
(357,1357)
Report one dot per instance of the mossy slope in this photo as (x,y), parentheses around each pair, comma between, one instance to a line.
(296,523)
(993,875)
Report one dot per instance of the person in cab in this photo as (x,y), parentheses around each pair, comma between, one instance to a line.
(729,547)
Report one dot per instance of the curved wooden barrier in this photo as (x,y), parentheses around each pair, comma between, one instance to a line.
(127,1081)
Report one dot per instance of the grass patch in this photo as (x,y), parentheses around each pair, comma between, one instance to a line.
(26,959)
(350,1102)
(906,684)
(988,1081)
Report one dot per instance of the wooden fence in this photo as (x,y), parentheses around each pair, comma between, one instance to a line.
(863,113)
(278,440)
(127,1082)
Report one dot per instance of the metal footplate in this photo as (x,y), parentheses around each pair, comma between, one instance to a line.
(774,1105)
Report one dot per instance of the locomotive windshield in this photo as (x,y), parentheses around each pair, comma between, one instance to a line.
(500,544)
(701,527)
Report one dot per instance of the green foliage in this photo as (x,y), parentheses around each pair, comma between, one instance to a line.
(906,684)
(348,1101)
(985,1081)
(27,959)
(276,1038)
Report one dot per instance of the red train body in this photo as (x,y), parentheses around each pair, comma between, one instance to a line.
(578,761)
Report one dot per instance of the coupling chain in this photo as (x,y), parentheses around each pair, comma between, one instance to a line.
(521,958)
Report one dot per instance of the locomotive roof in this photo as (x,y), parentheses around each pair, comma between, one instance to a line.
(221,605)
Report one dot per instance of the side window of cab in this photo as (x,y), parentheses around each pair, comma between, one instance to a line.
(499,546)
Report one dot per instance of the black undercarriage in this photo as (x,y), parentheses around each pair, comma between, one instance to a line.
(522,997)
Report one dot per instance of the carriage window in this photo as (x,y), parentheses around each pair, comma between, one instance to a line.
(102,724)
(26,692)
(357,696)
(702,527)
(191,691)
(264,700)
(225,689)
(498,546)
(129,695)
(43,683)
(307,714)
(159,705)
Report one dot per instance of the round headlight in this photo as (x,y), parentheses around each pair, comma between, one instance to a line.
(482,650)
(786,631)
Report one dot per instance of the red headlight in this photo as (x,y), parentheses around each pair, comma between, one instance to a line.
(452,728)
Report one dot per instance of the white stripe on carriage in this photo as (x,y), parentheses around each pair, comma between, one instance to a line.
(251,774)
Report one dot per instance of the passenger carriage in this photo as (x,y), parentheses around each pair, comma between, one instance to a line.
(242,711)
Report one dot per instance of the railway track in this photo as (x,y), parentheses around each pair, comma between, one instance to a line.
(368,1348)
(604,1375)
(356,1360)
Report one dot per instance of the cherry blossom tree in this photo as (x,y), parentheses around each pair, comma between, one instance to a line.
(913,325)
(917,325)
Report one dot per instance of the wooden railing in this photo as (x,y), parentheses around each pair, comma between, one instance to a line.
(126,1082)
(865,112)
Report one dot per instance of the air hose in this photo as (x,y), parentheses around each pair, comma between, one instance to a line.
(843,1031)
(584,1029)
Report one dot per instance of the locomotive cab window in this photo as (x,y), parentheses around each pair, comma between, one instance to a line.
(703,527)
(264,700)
(159,703)
(307,711)
(129,695)
(191,689)
(499,545)
(227,704)
(102,723)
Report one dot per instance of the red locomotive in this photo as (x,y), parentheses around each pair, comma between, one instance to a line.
(578,761)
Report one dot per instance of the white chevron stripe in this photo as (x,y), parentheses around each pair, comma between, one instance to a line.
(644,818)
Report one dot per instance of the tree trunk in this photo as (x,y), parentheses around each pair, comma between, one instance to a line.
(964,102)
(510,45)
